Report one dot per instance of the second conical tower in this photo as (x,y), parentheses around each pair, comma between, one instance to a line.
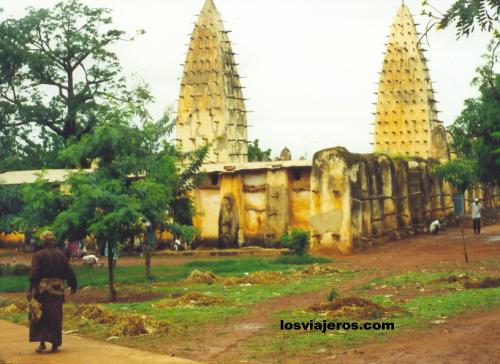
(211,104)
(406,119)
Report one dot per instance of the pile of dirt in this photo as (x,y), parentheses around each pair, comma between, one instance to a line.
(192,299)
(121,324)
(354,307)
(197,276)
(488,282)
(315,269)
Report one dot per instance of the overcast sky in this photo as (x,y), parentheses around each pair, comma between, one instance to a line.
(310,66)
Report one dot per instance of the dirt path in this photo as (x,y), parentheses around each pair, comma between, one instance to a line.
(474,338)
(15,349)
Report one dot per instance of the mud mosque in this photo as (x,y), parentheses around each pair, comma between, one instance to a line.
(347,201)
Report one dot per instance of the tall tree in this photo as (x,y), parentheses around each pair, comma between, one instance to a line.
(57,73)
(476,131)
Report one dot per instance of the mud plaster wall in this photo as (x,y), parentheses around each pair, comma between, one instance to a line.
(268,202)
(364,200)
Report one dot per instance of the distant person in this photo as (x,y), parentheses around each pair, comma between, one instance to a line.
(49,270)
(177,245)
(476,208)
(90,260)
(434,227)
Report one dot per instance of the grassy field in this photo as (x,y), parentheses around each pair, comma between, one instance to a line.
(412,300)
(419,312)
(98,276)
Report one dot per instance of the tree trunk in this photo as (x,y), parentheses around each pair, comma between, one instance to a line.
(466,256)
(147,255)
(111,275)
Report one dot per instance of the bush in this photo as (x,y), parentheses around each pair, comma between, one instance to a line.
(332,296)
(297,242)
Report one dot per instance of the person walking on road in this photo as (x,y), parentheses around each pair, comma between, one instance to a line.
(49,270)
(476,208)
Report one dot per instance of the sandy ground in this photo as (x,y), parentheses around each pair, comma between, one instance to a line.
(75,350)
(474,337)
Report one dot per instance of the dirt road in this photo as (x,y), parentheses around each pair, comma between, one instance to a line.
(15,349)
(471,339)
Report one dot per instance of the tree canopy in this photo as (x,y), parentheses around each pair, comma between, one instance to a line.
(57,74)
(476,131)
(256,153)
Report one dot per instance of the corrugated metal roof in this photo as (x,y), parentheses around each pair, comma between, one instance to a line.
(20,177)
(57,175)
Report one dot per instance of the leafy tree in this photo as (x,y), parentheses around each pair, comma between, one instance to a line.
(11,203)
(57,74)
(134,185)
(256,154)
(476,131)
(461,174)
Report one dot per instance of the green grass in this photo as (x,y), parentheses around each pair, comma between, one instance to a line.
(238,297)
(97,277)
(416,279)
(419,313)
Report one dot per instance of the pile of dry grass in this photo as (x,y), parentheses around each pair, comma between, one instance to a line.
(95,313)
(121,324)
(315,269)
(355,307)
(15,307)
(259,278)
(197,276)
(192,299)
(135,325)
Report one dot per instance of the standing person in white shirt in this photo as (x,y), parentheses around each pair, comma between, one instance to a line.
(476,208)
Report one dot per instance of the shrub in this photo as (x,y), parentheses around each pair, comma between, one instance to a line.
(332,296)
(297,241)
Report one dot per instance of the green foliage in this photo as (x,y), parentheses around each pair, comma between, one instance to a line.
(467,15)
(476,132)
(297,241)
(256,154)
(11,205)
(459,173)
(57,77)
(42,203)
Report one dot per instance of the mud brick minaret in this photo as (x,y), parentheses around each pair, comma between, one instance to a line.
(211,104)
(406,119)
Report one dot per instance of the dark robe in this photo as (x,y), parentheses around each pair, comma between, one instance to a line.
(49,263)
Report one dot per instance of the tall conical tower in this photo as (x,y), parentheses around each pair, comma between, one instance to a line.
(406,119)
(211,103)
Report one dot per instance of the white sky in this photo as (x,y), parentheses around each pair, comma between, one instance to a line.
(310,66)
